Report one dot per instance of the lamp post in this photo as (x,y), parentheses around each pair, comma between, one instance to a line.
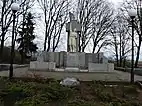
(14,8)
(132,13)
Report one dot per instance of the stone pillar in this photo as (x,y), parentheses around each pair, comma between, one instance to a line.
(62,59)
(81,60)
(88,59)
(56,59)
(95,58)
(51,56)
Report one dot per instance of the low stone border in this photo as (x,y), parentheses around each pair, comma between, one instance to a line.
(4,67)
(97,72)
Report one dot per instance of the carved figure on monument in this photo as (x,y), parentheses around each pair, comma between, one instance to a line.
(73,27)
(72,35)
(72,41)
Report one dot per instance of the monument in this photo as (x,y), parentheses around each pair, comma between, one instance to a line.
(72,60)
(73,28)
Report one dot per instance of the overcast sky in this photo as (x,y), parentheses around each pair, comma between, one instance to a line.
(116,1)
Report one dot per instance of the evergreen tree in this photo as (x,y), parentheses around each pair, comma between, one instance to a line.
(26,37)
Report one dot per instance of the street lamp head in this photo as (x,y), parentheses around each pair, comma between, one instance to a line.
(132,13)
(15,7)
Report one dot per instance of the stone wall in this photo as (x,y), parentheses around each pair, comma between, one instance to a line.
(98,67)
(80,60)
(42,66)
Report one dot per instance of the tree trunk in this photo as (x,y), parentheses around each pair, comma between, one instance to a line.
(120,63)
(22,57)
(49,41)
(94,49)
(117,60)
(2,44)
(46,26)
(138,54)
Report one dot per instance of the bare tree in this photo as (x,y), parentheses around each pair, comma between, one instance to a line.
(120,39)
(135,4)
(55,17)
(6,19)
(95,17)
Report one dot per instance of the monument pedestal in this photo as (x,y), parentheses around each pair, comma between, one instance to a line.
(72,63)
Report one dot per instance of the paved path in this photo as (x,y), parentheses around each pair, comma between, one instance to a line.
(116,76)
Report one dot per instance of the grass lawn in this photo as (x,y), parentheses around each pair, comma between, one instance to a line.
(51,93)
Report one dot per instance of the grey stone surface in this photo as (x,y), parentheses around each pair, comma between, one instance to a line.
(95,58)
(105,60)
(72,60)
(92,67)
(72,69)
(57,59)
(51,66)
(110,67)
(51,56)
(33,64)
(81,60)
(62,59)
(36,65)
(40,66)
(70,82)
(75,24)
(84,76)
(88,59)
(45,55)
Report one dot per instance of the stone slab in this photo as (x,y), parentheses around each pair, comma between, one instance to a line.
(110,67)
(51,56)
(51,66)
(95,58)
(105,60)
(33,64)
(57,59)
(88,59)
(72,60)
(96,67)
(42,66)
(82,60)
(68,69)
(62,59)
(36,65)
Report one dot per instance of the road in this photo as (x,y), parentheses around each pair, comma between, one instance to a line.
(85,76)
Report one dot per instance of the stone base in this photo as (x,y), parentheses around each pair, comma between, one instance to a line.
(110,67)
(96,67)
(46,66)
(71,69)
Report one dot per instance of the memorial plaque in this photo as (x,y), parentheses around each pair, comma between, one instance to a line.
(72,60)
